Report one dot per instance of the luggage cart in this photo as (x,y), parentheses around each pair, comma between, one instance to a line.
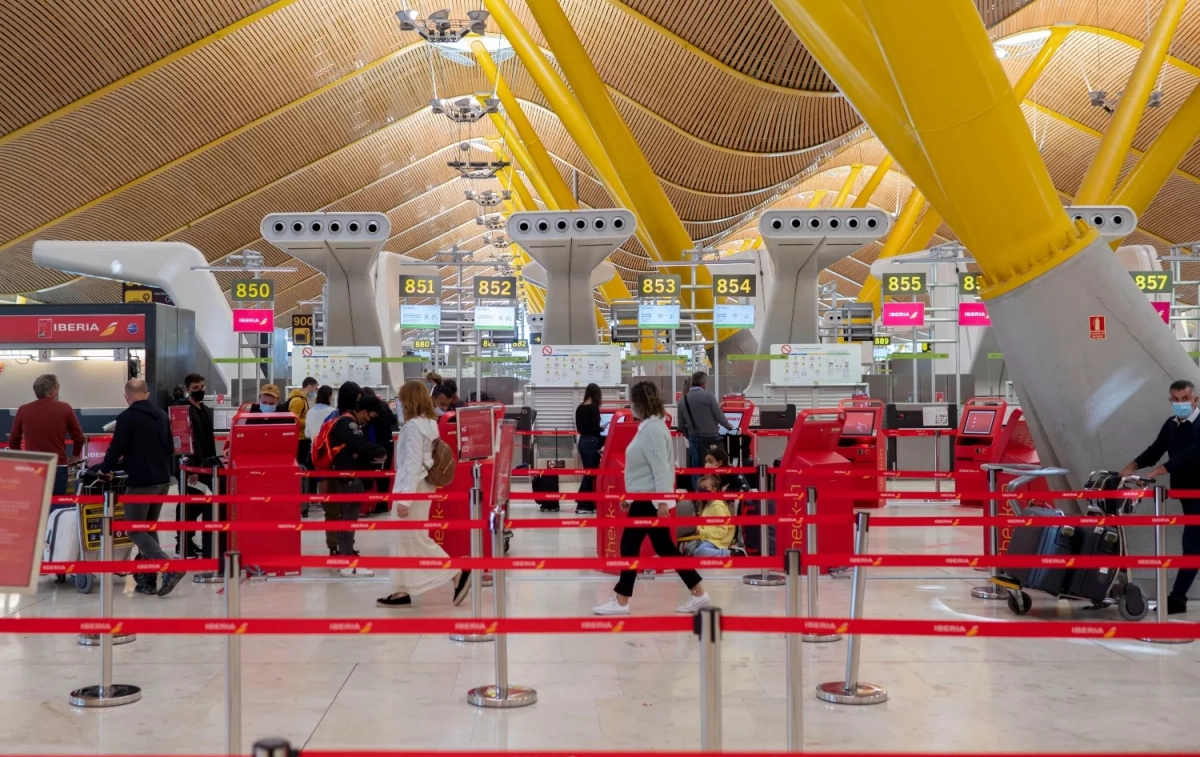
(91,484)
(1103,587)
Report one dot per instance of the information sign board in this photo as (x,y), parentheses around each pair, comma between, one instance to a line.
(575,365)
(26,483)
(814,364)
(474,432)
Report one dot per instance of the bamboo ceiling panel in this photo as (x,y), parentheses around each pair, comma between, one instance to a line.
(62,51)
(447,222)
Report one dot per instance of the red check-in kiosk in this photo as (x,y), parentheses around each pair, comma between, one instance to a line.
(262,464)
(457,543)
(864,444)
(812,458)
(742,446)
(1015,447)
(977,442)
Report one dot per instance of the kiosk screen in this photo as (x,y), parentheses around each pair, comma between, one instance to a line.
(859,424)
(735,420)
(605,419)
(979,422)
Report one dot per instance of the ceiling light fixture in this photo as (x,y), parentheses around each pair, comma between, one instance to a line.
(440,28)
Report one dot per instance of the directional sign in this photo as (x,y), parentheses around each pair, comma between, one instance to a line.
(302,326)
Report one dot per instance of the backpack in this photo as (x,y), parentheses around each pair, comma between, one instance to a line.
(323,452)
(441,473)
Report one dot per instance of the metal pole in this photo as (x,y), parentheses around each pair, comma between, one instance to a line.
(851,690)
(937,459)
(708,628)
(233,655)
(94,639)
(764,577)
(500,695)
(476,513)
(814,573)
(794,659)
(992,590)
(215,538)
(183,535)
(1160,577)
(107,694)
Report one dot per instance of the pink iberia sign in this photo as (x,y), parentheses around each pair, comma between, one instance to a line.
(903,313)
(1164,311)
(973,314)
(253,321)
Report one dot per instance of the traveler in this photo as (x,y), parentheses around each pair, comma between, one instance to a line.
(649,468)
(1179,440)
(455,401)
(141,447)
(710,541)
(380,431)
(414,459)
(319,413)
(699,418)
(43,426)
(433,380)
(717,457)
(203,455)
(352,452)
(443,399)
(297,404)
(587,425)
(268,400)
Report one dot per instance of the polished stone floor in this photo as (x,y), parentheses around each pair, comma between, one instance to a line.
(634,692)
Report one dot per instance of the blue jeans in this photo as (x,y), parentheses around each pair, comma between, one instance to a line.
(708,549)
(698,447)
(60,481)
(589,457)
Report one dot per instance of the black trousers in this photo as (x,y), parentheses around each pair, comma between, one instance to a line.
(1191,546)
(589,456)
(660,538)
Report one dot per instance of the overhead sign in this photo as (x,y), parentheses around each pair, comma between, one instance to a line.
(734,285)
(520,344)
(1164,311)
(302,328)
(971,283)
(495,318)
(252,290)
(883,341)
(258,321)
(422,344)
(1096,327)
(973,314)
(733,316)
(420,286)
(26,483)
(1153,282)
(72,329)
(535,337)
(420,316)
(899,284)
(650,285)
(496,287)
(903,314)
(143,294)
(658,316)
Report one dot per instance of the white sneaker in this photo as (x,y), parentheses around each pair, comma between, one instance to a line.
(356,573)
(694,603)
(611,607)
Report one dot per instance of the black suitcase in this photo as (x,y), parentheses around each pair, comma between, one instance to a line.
(545,484)
(1093,583)
(1105,480)
(1045,541)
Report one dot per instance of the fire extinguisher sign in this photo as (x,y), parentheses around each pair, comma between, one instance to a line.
(1096,326)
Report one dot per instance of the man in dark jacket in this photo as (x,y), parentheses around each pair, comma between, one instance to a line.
(353,453)
(141,446)
(1179,440)
(700,420)
(203,455)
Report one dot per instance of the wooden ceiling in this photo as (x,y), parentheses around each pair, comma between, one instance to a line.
(189,121)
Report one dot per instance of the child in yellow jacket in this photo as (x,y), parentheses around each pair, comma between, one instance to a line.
(711,541)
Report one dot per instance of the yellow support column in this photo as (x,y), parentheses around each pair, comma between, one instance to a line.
(847,185)
(649,200)
(873,183)
(1102,174)
(1164,154)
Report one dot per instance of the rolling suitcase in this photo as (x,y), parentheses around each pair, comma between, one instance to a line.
(546,484)
(1094,583)
(1046,541)
(62,538)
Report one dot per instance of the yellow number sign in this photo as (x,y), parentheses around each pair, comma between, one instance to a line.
(657,285)
(1155,282)
(895,284)
(496,287)
(735,285)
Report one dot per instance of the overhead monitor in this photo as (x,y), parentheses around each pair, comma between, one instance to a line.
(735,419)
(605,419)
(979,422)
(859,423)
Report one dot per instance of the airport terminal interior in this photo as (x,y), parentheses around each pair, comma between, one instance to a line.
(619,376)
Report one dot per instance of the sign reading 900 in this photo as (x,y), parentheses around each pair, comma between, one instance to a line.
(496,287)
(734,285)
(657,285)
(252,290)
(420,286)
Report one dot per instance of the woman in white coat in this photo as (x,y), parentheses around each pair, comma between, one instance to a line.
(413,459)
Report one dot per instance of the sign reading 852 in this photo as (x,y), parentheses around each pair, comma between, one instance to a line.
(496,287)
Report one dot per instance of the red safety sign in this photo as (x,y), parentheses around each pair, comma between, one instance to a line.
(1096,326)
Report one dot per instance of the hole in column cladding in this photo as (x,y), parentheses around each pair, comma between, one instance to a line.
(580,224)
(618,222)
(834,223)
(279,226)
(316,227)
(852,223)
(353,227)
(872,223)
(297,227)
(776,224)
(372,227)
(814,223)
(335,227)
(1098,220)
(797,223)
(560,224)
(598,224)
(523,226)
(543,225)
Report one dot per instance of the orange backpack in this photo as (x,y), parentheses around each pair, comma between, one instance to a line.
(323,452)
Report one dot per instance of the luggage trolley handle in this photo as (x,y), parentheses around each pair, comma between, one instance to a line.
(1025,473)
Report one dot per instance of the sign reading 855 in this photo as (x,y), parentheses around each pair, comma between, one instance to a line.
(903,283)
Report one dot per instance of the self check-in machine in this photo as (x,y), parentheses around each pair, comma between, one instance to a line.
(862,442)
(262,464)
(977,442)
(740,446)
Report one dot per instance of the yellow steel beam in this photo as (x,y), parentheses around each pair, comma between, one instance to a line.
(902,229)
(1102,175)
(818,195)
(1160,159)
(649,201)
(844,193)
(873,183)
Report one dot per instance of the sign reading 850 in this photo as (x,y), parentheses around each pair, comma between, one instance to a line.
(252,290)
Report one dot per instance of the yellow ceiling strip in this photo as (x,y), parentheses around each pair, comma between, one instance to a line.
(147,70)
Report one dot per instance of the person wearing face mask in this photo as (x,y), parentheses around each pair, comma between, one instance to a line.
(268,400)
(298,402)
(1179,440)
(204,454)
(443,399)
(353,453)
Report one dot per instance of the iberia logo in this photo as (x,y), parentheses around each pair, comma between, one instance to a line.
(110,330)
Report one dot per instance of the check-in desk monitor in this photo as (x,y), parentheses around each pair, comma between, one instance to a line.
(859,423)
(605,419)
(979,422)
(735,420)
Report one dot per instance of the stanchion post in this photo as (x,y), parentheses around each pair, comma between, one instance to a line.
(502,694)
(1160,577)
(992,590)
(765,577)
(851,690)
(233,655)
(215,536)
(93,639)
(181,509)
(708,628)
(794,659)
(814,572)
(273,748)
(476,514)
(107,694)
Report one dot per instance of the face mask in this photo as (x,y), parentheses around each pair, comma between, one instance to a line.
(1182,409)
(439,411)
(312,396)
(266,408)
(198,396)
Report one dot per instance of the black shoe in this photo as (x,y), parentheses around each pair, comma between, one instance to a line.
(147,583)
(401,601)
(737,552)
(169,581)
(333,551)
(1176,605)
(585,510)
(549,508)
(462,587)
